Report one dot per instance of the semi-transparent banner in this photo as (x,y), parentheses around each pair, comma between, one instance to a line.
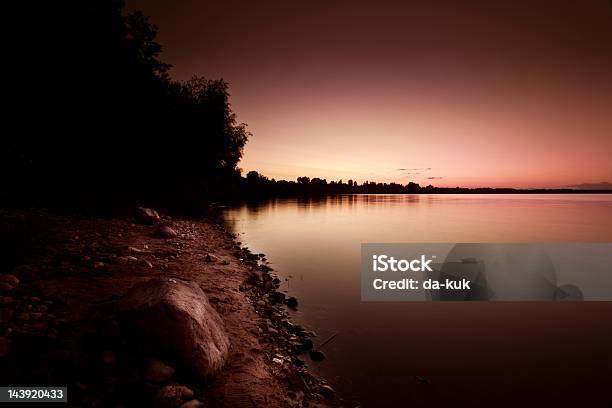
(477,272)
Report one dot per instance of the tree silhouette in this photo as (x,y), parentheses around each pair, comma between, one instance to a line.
(101,121)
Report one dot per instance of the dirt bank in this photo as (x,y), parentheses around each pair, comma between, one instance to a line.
(57,326)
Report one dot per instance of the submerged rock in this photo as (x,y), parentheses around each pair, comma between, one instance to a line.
(176,315)
(292,302)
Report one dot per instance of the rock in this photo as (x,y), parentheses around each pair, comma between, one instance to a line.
(268,286)
(173,395)
(98,265)
(255,278)
(156,371)
(166,232)
(192,404)
(176,315)
(8,281)
(277,297)
(292,302)
(306,344)
(146,263)
(4,346)
(327,391)
(316,355)
(145,215)
(211,258)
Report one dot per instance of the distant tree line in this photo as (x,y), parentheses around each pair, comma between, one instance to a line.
(95,118)
(255,185)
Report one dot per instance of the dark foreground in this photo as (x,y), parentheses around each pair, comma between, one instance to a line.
(58,322)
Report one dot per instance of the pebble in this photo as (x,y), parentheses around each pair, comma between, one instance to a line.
(8,281)
(277,297)
(327,391)
(211,258)
(157,372)
(307,344)
(173,395)
(147,263)
(166,232)
(316,355)
(292,302)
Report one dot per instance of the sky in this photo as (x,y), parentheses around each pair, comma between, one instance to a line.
(450,93)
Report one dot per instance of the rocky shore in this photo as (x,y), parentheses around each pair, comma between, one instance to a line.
(148,310)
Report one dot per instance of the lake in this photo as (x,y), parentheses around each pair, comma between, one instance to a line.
(429,353)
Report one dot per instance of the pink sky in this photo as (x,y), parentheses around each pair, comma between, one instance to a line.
(471,94)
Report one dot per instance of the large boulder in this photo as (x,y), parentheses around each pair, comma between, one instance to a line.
(176,315)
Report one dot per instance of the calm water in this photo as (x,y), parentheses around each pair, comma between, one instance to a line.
(482,354)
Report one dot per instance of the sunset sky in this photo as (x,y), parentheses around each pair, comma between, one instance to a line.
(468,93)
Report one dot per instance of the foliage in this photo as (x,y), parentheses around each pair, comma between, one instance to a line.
(99,119)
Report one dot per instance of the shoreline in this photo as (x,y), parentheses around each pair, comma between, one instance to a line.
(57,323)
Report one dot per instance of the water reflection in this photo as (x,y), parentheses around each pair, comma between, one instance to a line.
(472,353)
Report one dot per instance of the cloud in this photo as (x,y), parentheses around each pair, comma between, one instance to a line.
(434,178)
(421,169)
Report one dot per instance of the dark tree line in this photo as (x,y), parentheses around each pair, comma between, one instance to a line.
(96,119)
(255,185)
